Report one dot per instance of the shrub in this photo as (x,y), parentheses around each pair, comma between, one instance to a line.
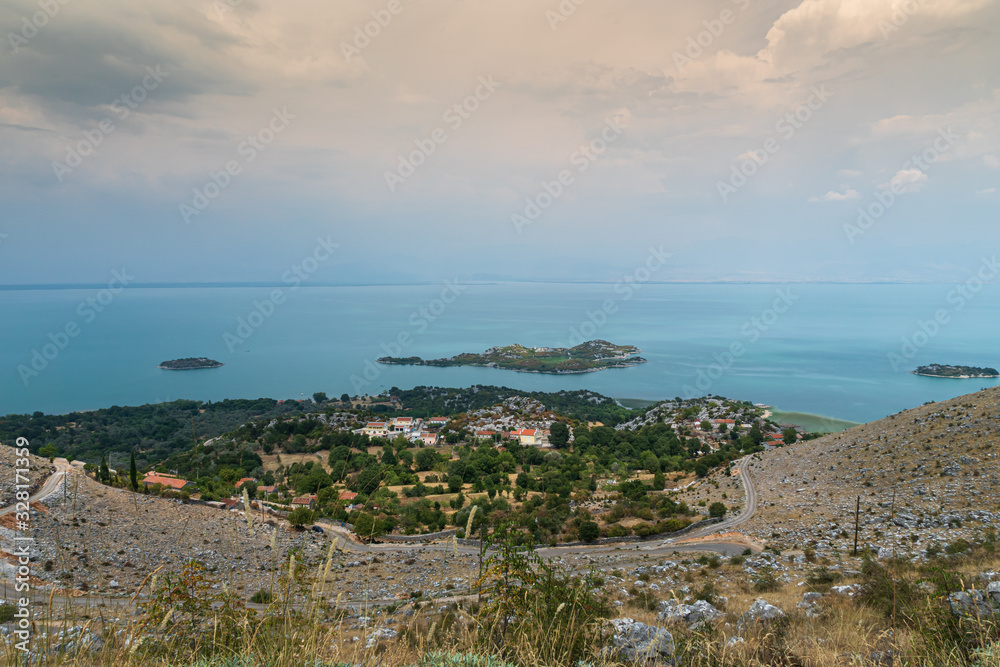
(766,582)
(7,612)
(262,597)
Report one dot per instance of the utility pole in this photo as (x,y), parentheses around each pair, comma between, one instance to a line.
(857,516)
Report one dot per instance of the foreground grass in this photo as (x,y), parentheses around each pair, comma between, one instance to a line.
(533,615)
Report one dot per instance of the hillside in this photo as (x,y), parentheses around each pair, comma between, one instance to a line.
(927,477)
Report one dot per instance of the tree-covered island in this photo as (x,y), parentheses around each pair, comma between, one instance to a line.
(960,372)
(190,363)
(594,355)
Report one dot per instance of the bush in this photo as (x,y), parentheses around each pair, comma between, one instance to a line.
(589,531)
(7,612)
(262,597)
(766,582)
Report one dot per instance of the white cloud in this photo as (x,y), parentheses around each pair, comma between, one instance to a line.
(986,191)
(907,181)
(991,161)
(833,195)
(848,173)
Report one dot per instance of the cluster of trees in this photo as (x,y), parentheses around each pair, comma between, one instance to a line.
(153,432)
(581,405)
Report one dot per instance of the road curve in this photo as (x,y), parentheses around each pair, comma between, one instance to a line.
(749,507)
(49,487)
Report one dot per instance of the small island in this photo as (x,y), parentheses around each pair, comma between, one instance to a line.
(957,372)
(190,364)
(594,355)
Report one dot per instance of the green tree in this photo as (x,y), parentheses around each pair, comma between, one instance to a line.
(454,484)
(588,531)
(48,451)
(558,435)
(717,510)
(300,516)
(790,436)
(133,472)
(426,458)
(344,398)
(320,397)
(103,472)
(366,527)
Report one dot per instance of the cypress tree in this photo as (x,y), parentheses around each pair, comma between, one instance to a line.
(103,473)
(133,473)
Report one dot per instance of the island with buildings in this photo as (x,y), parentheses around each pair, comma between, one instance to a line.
(593,355)
(957,372)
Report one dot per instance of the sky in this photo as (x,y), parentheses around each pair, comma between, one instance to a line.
(233,140)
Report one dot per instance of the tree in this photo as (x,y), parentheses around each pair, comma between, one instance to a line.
(344,398)
(700,469)
(588,531)
(251,488)
(454,484)
(790,436)
(366,527)
(300,516)
(717,510)
(320,397)
(558,435)
(103,472)
(133,472)
(426,458)
(48,451)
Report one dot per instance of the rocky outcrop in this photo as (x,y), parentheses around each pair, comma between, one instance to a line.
(637,642)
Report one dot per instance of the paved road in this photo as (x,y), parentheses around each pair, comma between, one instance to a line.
(48,487)
(749,507)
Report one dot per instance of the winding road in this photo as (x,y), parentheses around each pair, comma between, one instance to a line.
(49,487)
(697,540)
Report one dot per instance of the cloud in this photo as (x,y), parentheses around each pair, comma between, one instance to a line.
(833,195)
(849,173)
(986,191)
(991,161)
(907,181)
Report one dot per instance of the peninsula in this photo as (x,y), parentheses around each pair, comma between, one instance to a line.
(594,355)
(957,372)
(190,364)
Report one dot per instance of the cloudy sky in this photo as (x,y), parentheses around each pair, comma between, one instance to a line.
(216,140)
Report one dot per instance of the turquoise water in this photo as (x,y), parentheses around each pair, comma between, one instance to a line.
(825,354)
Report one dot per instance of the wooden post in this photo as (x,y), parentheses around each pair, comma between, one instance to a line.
(857,515)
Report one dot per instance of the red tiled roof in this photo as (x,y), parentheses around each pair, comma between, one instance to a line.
(347,495)
(165,480)
(303,500)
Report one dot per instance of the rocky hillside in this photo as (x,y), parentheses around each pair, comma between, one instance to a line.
(927,477)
